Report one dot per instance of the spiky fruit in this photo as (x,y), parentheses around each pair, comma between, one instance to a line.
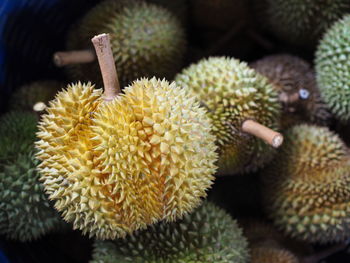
(116,167)
(178,8)
(301,22)
(209,234)
(333,70)
(267,254)
(25,212)
(289,74)
(233,93)
(28,95)
(147,40)
(307,188)
(17,134)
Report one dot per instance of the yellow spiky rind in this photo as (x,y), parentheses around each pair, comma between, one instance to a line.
(289,74)
(147,40)
(233,93)
(267,254)
(116,167)
(307,189)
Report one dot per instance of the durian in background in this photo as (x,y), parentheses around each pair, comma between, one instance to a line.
(269,254)
(300,22)
(147,41)
(235,96)
(294,79)
(40,92)
(333,69)
(25,212)
(179,8)
(117,163)
(208,234)
(306,189)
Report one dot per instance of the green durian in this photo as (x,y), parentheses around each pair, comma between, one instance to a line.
(289,75)
(25,212)
(333,68)
(17,134)
(300,22)
(208,234)
(179,8)
(306,189)
(28,95)
(147,40)
(233,93)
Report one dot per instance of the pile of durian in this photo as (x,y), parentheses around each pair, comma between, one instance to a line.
(144,143)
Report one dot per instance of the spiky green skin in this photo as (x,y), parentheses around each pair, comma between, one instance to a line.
(178,8)
(333,68)
(25,211)
(17,134)
(233,93)
(207,235)
(147,40)
(26,96)
(289,74)
(307,188)
(301,22)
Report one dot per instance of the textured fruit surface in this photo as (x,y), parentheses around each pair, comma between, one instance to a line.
(302,22)
(28,95)
(25,212)
(333,68)
(233,93)
(266,254)
(208,234)
(307,187)
(147,40)
(116,167)
(289,74)
(17,134)
(178,8)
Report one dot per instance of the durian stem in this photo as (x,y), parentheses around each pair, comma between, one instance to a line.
(64,58)
(271,137)
(105,58)
(325,253)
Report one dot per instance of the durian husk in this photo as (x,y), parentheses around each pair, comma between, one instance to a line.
(289,74)
(271,254)
(147,40)
(116,167)
(306,190)
(208,234)
(233,93)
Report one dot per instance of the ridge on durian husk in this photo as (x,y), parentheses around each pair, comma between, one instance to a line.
(271,254)
(289,74)
(206,235)
(233,93)
(300,22)
(25,212)
(116,167)
(28,95)
(307,188)
(147,40)
(333,70)
(17,134)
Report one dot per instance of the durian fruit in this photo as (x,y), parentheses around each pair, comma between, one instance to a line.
(292,76)
(270,254)
(333,70)
(25,212)
(178,8)
(306,189)
(233,94)
(147,41)
(300,22)
(208,234)
(117,163)
(17,134)
(27,96)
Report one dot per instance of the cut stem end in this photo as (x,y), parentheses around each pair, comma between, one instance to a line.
(64,58)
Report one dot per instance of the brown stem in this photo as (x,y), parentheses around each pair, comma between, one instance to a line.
(325,253)
(105,58)
(271,137)
(64,58)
